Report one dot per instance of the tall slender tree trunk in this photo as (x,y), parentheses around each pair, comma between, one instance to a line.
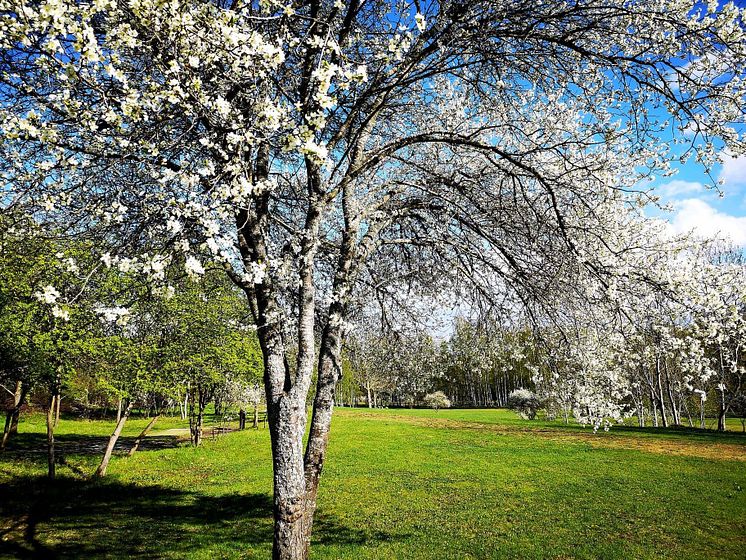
(199,428)
(675,413)
(101,470)
(654,408)
(119,410)
(184,405)
(50,436)
(688,413)
(722,410)
(661,402)
(11,420)
(256,417)
(702,423)
(57,410)
(142,435)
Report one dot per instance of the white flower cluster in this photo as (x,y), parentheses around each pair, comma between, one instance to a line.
(50,296)
(117,315)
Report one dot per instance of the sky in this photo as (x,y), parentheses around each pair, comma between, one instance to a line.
(700,208)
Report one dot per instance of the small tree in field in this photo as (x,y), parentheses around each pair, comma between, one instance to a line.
(524,402)
(437,400)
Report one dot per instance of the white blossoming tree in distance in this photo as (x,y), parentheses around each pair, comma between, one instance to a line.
(314,149)
(437,400)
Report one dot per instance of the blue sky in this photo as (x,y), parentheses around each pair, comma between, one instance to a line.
(695,206)
(705,210)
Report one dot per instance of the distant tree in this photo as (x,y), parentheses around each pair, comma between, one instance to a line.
(437,400)
(524,402)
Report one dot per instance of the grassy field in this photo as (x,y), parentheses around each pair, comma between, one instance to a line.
(398,484)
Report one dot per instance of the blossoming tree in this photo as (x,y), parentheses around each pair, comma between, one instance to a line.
(318,148)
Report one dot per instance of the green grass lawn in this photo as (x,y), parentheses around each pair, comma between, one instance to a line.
(397,484)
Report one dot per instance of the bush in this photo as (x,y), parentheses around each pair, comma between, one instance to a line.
(524,402)
(437,400)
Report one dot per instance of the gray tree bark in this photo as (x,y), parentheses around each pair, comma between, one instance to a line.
(11,420)
(57,410)
(142,435)
(101,470)
(50,436)
(661,403)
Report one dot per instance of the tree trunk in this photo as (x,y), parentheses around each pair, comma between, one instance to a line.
(329,371)
(11,420)
(721,419)
(119,410)
(196,424)
(702,423)
(57,410)
(19,398)
(370,400)
(675,412)
(688,413)
(142,435)
(722,409)
(50,436)
(256,417)
(184,407)
(101,470)
(661,402)
(289,481)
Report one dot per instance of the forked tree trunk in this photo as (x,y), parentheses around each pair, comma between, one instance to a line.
(11,420)
(142,435)
(101,470)
(296,474)
(50,436)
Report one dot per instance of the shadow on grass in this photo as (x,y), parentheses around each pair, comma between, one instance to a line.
(66,518)
(684,432)
(700,434)
(33,446)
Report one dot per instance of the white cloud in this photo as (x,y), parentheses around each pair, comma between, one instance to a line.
(733,173)
(678,188)
(696,215)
